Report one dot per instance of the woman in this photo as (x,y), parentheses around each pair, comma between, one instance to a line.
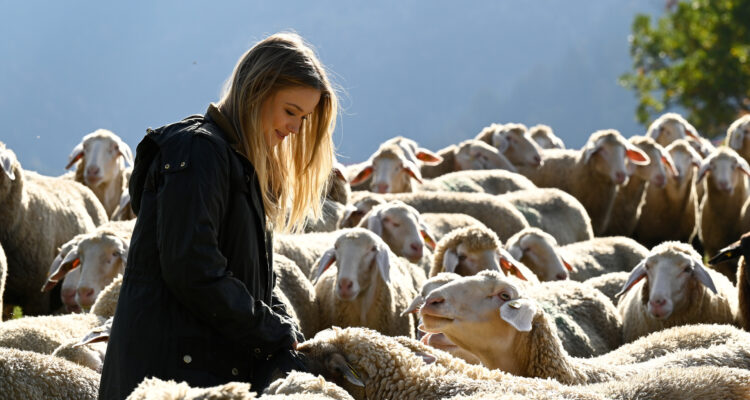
(196,302)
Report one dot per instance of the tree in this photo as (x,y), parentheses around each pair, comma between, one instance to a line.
(697,56)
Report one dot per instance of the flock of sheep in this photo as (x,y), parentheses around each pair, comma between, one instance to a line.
(503,267)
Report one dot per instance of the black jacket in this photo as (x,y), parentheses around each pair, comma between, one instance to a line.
(196,302)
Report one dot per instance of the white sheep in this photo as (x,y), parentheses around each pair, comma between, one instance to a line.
(669,213)
(102,155)
(100,255)
(299,291)
(370,285)
(514,142)
(498,322)
(677,290)
(370,365)
(470,154)
(631,197)
(393,166)
(669,127)
(554,211)
(303,383)
(592,174)
(495,213)
(30,375)
(89,350)
(726,190)
(738,136)
(401,227)
(545,137)
(38,215)
(578,261)
(356,210)
(441,224)
(498,181)
(467,251)
(46,333)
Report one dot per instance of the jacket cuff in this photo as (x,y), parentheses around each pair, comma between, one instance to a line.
(265,351)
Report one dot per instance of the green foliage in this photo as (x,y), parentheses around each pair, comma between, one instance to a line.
(697,56)
(17,313)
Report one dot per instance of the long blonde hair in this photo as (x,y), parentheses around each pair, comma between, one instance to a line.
(293,174)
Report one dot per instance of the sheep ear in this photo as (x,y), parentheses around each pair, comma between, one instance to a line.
(122,207)
(412,170)
(383,262)
(414,306)
(125,151)
(338,170)
(589,150)
(704,168)
(429,239)
(669,163)
(700,273)
(735,139)
(98,334)
(509,264)
(428,157)
(565,262)
(69,263)
(730,252)
(375,223)
(450,260)
(742,165)
(350,213)
(6,162)
(75,155)
(516,251)
(636,155)
(362,175)
(123,249)
(638,273)
(325,261)
(341,367)
(499,141)
(519,313)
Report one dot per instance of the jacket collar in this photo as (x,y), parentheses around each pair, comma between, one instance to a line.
(230,134)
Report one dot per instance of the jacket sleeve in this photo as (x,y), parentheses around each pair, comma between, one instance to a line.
(190,207)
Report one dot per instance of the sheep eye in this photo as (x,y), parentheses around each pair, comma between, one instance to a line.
(395,225)
(373,249)
(505,296)
(462,257)
(687,269)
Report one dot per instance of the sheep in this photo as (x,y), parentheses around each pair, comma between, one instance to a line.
(514,142)
(299,291)
(467,251)
(39,214)
(106,303)
(677,290)
(441,224)
(670,127)
(304,383)
(592,174)
(89,350)
(370,365)
(669,213)
(337,197)
(100,167)
(609,283)
(738,136)
(393,166)
(554,211)
(545,137)
(370,287)
(101,256)
(726,190)
(579,261)
(631,197)
(470,154)
(46,333)
(498,181)
(29,375)
(739,249)
(499,215)
(356,210)
(497,321)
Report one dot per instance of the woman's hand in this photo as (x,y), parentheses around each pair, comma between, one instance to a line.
(294,345)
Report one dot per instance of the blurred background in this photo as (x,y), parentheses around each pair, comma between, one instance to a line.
(434,71)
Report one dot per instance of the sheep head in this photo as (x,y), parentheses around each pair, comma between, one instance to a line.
(739,132)
(684,158)
(607,150)
(402,229)
(537,250)
(726,168)
(672,270)
(475,154)
(100,151)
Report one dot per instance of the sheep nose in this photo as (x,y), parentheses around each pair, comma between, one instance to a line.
(562,276)
(85,296)
(658,303)
(723,185)
(537,160)
(619,177)
(92,170)
(381,188)
(660,180)
(68,296)
(345,284)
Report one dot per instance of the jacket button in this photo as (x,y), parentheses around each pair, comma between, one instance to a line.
(166,166)
(257,350)
(235,372)
(247,178)
(187,359)
(182,164)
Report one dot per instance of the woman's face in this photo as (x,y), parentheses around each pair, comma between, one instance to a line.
(282,112)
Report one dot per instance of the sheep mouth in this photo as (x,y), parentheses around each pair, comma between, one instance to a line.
(435,321)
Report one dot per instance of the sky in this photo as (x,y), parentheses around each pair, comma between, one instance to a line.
(435,71)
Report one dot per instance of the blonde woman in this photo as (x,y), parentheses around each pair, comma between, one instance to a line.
(196,303)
